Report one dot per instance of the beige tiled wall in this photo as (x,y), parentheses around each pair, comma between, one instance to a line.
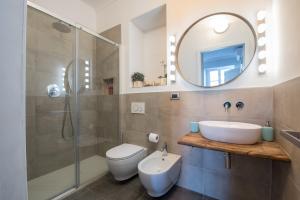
(203,170)
(286,177)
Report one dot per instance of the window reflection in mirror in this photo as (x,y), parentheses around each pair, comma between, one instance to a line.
(221,65)
(216,49)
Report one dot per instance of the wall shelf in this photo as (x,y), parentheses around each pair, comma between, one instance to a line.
(268,150)
(292,136)
(108,86)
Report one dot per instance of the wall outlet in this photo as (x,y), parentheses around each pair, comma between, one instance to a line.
(138,107)
(175,96)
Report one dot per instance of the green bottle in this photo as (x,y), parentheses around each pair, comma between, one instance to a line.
(267,132)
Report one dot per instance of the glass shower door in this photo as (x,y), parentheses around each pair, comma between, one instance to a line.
(98,80)
(72,111)
(50,111)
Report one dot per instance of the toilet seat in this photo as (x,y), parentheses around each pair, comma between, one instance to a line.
(123,151)
(123,160)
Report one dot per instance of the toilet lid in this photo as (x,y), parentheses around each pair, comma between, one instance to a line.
(123,151)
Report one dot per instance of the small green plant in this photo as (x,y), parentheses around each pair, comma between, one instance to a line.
(137,76)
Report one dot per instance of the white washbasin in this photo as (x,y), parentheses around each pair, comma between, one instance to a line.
(230,132)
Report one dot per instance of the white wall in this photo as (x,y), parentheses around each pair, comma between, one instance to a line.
(180,15)
(75,10)
(13,183)
(122,12)
(146,52)
(135,50)
(154,53)
(287,48)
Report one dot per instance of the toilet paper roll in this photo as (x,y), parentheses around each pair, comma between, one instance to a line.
(153,137)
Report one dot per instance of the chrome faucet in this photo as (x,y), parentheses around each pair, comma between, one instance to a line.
(240,105)
(164,149)
(227,105)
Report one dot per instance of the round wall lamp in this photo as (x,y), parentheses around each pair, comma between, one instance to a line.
(261,28)
(261,15)
(262,68)
(262,55)
(261,41)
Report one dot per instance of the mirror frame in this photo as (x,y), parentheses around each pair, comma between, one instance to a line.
(191,26)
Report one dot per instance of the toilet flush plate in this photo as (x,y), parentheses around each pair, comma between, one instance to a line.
(138,107)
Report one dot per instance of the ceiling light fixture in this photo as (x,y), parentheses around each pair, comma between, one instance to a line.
(220,24)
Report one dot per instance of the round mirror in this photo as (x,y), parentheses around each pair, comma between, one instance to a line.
(216,49)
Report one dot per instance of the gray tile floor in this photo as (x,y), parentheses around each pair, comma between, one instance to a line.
(107,188)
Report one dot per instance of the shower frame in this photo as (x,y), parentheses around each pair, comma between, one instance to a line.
(77,27)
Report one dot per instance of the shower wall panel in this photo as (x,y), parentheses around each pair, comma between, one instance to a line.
(108,101)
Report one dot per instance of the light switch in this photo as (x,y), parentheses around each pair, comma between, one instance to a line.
(138,107)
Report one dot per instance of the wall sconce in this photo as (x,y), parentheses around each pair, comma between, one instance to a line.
(87,74)
(172,58)
(261,15)
(63,78)
(261,41)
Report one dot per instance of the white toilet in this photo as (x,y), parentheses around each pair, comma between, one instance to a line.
(159,173)
(123,160)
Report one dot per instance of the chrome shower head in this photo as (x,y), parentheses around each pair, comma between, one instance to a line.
(61,27)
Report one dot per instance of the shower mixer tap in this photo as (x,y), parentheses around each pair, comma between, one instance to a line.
(53,90)
(227,105)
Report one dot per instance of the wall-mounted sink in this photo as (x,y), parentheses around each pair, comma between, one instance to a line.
(230,132)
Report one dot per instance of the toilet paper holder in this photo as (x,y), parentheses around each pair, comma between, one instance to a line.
(153,137)
(147,135)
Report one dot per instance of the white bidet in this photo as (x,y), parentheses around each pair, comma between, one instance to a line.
(159,173)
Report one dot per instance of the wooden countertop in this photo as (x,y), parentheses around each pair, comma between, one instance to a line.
(269,150)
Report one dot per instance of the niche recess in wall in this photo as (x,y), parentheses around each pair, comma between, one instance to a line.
(108,86)
(148,47)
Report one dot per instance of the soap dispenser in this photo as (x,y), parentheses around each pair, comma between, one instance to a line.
(267,132)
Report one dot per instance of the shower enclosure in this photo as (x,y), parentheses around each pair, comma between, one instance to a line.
(72,87)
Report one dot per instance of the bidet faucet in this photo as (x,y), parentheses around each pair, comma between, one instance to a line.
(164,149)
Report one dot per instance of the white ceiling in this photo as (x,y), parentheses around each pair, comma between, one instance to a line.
(151,20)
(99,3)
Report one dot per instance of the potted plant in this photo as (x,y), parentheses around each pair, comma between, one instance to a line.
(137,79)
